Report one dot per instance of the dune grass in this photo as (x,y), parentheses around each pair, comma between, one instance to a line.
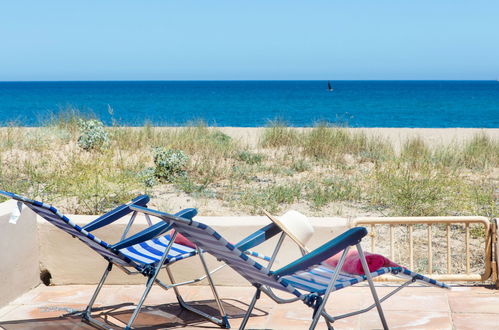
(310,169)
(278,134)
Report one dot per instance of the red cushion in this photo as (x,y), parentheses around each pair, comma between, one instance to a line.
(181,239)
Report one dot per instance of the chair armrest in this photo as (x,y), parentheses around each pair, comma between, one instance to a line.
(257,255)
(258,237)
(153,231)
(116,214)
(350,237)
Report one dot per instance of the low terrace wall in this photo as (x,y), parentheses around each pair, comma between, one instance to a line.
(19,257)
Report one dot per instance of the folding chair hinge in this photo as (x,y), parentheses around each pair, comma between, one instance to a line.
(313,300)
(415,278)
(110,267)
(148,271)
(258,291)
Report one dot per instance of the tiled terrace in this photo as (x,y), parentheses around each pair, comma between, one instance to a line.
(412,308)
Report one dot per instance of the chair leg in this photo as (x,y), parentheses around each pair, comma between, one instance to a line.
(250,309)
(86,314)
(136,312)
(318,312)
(371,286)
(223,315)
(222,322)
(329,324)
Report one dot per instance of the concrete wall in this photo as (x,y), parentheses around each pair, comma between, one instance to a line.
(19,259)
(70,262)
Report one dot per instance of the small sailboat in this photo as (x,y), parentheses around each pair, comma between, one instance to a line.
(329,88)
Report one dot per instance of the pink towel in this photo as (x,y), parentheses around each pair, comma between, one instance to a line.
(353,265)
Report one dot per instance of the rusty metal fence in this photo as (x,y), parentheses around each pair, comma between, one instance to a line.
(489,230)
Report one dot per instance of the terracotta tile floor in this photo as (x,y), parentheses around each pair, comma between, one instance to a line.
(411,308)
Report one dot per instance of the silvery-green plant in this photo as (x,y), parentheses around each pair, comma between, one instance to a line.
(93,134)
(170,163)
(148,177)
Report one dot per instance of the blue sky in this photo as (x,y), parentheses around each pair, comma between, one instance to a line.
(190,40)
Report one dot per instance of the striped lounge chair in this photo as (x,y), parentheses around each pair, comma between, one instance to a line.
(146,252)
(305,279)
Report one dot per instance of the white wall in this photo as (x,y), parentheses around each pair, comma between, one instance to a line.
(19,259)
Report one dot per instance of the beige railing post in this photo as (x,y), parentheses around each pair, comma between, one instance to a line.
(411,248)
(449,255)
(495,253)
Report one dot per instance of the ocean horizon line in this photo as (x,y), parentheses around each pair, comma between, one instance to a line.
(246,80)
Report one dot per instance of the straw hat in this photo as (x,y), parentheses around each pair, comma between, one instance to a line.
(295,225)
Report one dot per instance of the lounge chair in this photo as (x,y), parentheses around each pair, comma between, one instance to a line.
(146,252)
(305,278)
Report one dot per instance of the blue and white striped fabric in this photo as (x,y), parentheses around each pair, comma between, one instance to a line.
(407,274)
(314,280)
(257,255)
(52,215)
(317,279)
(151,251)
(135,256)
(210,241)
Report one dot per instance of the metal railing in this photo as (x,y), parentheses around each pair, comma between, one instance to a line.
(490,255)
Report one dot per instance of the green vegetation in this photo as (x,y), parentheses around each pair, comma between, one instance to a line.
(271,198)
(279,135)
(334,189)
(169,163)
(250,158)
(93,135)
(77,163)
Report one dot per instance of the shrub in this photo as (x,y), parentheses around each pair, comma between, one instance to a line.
(169,163)
(415,150)
(334,189)
(325,142)
(277,135)
(148,177)
(203,141)
(250,158)
(421,191)
(220,137)
(300,165)
(333,143)
(187,185)
(481,152)
(271,198)
(93,134)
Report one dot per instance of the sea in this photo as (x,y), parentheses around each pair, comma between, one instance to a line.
(257,103)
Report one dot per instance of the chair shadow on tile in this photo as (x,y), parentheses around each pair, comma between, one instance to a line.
(163,316)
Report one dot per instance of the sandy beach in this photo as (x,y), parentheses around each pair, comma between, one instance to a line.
(397,136)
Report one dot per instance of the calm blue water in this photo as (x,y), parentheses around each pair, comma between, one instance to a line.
(254,103)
